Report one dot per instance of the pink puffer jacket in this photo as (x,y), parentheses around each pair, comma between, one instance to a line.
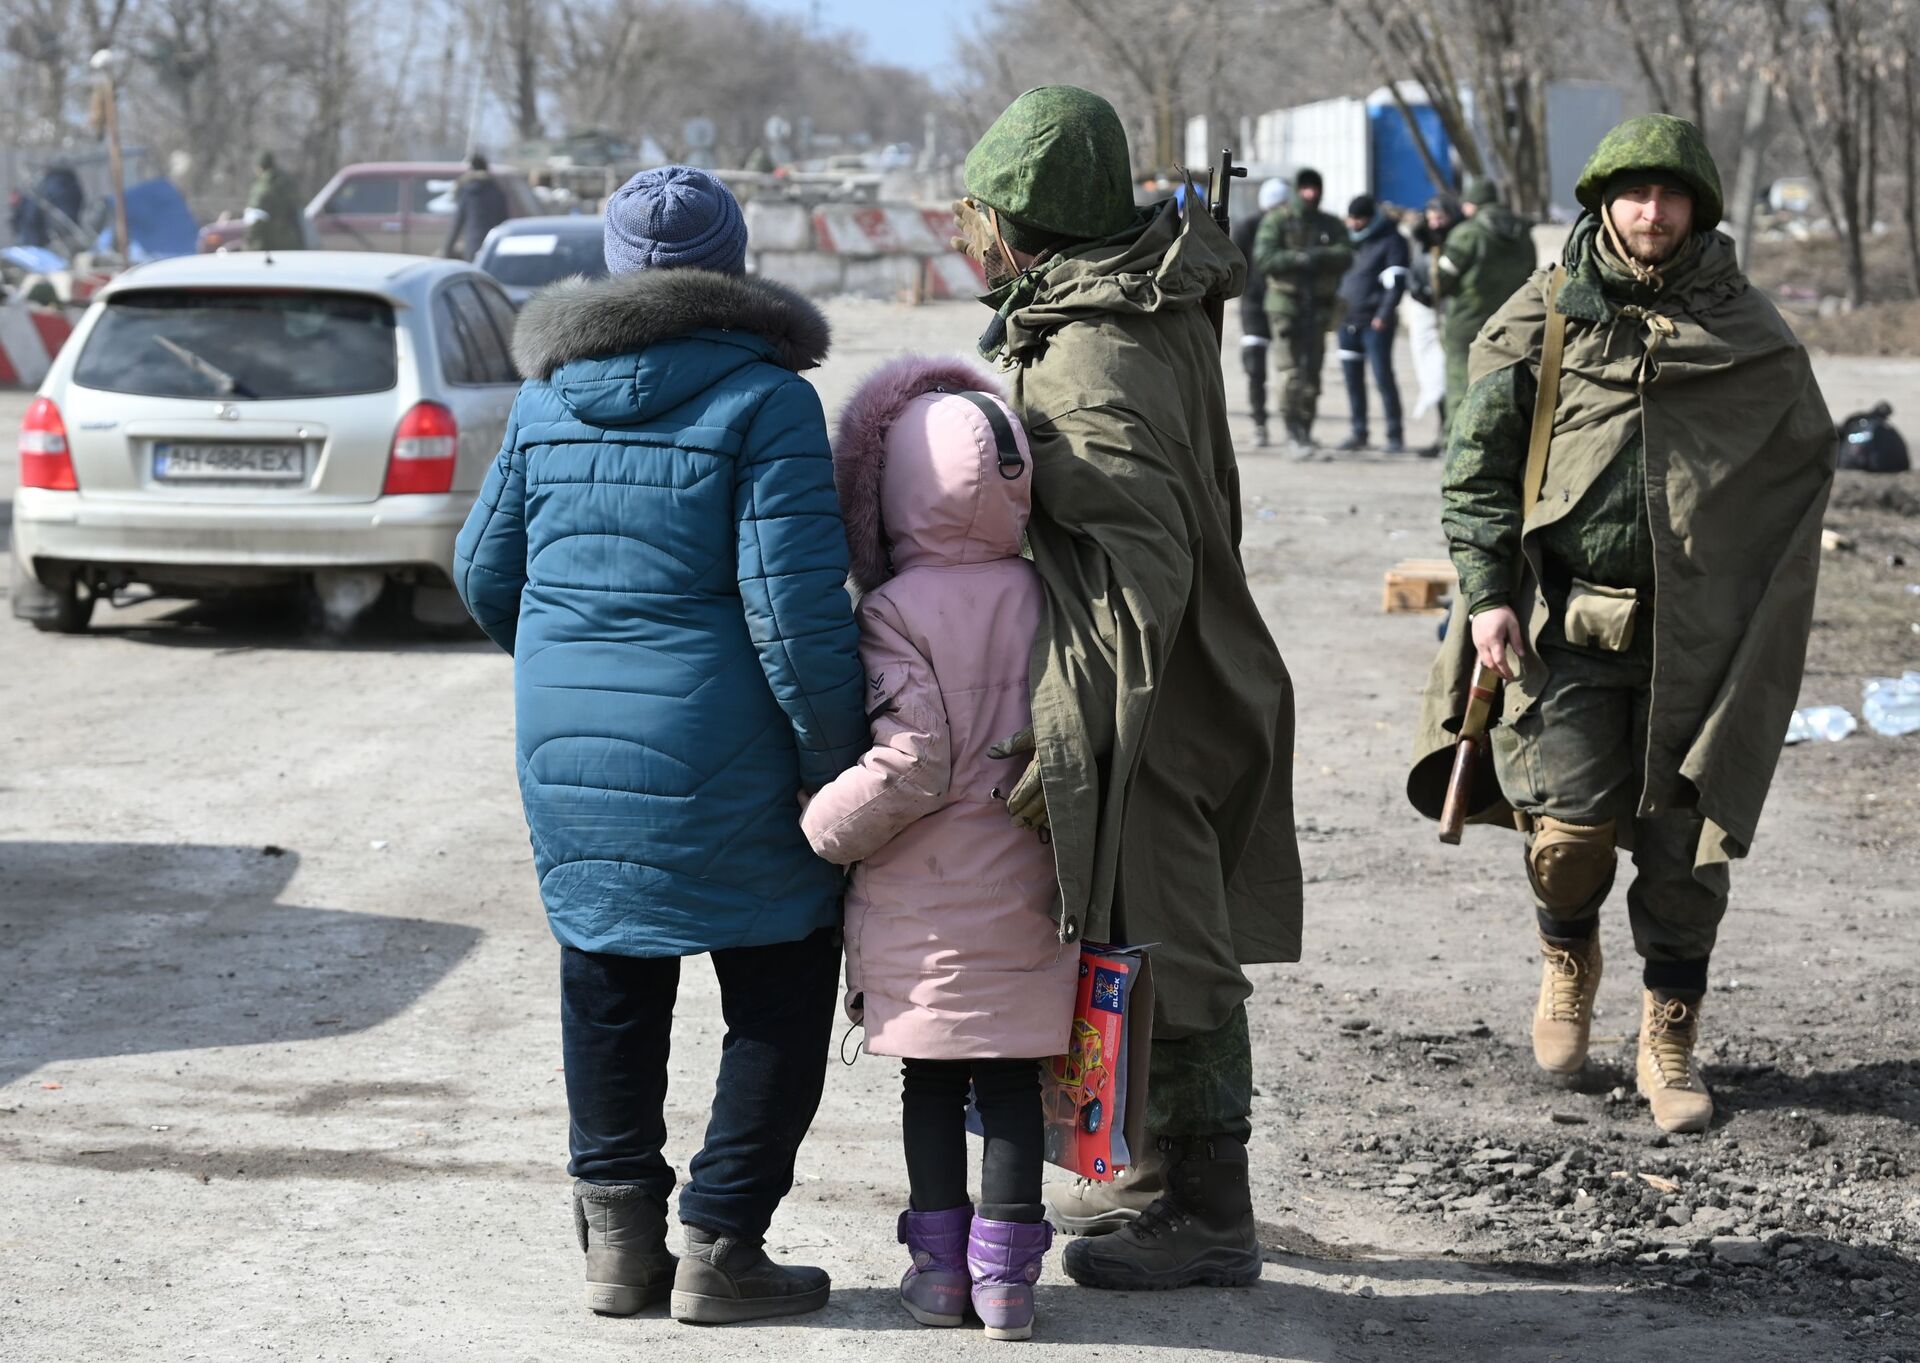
(951,946)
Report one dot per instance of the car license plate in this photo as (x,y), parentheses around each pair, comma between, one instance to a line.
(229,463)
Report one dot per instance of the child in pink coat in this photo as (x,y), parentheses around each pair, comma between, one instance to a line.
(953,953)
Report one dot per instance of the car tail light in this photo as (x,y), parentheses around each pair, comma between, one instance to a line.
(45,460)
(423,451)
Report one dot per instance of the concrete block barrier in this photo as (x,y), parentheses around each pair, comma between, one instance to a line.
(30,337)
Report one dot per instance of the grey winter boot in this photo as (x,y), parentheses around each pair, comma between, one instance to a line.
(1200,1231)
(1087,1207)
(623,1232)
(723,1279)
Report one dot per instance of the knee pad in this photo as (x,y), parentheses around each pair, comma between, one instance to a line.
(1571,865)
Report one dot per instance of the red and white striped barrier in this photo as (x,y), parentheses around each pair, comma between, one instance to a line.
(885,251)
(876,230)
(30,337)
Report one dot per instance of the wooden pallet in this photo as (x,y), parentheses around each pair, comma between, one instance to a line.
(1419,586)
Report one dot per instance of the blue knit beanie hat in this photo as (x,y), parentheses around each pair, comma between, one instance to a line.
(675,217)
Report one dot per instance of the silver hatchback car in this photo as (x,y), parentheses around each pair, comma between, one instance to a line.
(221,422)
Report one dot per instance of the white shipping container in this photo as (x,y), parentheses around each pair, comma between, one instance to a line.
(1332,136)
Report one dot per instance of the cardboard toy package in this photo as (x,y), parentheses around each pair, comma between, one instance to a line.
(1094,1097)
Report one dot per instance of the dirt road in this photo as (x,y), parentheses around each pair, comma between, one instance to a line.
(279,1045)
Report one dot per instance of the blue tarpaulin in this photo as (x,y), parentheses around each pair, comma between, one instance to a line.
(159,223)
(34,259)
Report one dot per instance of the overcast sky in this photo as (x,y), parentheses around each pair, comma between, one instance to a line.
(905,32)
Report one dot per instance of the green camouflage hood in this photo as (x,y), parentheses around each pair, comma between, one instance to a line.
(1055,164)
(1171,261)
(1656,142)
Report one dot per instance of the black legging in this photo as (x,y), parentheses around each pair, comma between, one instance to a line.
(934,1117)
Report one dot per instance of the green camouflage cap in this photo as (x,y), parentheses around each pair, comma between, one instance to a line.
(1055,164)
(1656,142)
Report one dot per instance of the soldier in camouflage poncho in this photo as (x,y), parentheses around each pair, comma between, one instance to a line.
(1651,609)
(1163,714)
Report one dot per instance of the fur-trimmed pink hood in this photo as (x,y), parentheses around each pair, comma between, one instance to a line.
(948,500)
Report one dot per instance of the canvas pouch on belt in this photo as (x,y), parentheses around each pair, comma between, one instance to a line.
(1600,617)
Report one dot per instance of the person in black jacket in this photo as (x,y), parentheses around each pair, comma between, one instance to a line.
(1369,299)
(480,205)
(1255,335)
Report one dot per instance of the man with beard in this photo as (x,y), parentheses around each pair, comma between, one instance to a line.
(1644,584)
(1162,741)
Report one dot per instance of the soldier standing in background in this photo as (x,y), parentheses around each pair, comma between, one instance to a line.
(1486,258)
(1255,335)
(1423,331)
(1644,583)
(1301,253)
(275,195)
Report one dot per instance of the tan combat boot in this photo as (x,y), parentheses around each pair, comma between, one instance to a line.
(1669,1078)
(1563,1016)
(1085,1207)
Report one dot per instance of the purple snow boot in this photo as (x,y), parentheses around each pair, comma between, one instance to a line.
(935,1288)
(1004,1258)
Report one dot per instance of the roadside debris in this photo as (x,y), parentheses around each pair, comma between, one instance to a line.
(1826,723)
(1892,706)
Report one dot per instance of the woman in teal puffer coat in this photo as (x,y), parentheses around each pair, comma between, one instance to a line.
(659,546)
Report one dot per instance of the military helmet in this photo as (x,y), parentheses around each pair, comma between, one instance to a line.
(1056,165)
(1656,142)
(1479,189)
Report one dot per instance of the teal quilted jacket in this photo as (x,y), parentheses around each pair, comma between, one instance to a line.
(660,548)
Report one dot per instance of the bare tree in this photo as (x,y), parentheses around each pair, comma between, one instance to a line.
(523,54)
(1824,59)
(1159,63)
(1483,66)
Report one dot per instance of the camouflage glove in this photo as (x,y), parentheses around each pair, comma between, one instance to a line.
(1027,801)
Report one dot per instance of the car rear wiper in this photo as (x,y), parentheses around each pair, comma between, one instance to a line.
(229,386)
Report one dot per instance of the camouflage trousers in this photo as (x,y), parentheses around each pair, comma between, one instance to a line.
(1300,353)
(1579,756)
(1202,1085)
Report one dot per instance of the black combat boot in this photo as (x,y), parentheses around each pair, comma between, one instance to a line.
(1200,1231)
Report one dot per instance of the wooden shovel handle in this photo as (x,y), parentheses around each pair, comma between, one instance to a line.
(1453,814)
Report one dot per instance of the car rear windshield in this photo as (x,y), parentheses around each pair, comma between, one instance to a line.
(526,260)
(179,343)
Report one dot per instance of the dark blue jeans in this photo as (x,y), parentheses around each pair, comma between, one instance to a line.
(615,1016)
(1360,347)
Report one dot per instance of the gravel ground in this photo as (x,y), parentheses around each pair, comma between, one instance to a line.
(279,1046)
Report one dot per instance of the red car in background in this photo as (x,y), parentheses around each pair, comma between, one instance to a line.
(404,206)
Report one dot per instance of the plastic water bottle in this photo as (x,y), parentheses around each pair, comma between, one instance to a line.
(1826,723)
(1893,707)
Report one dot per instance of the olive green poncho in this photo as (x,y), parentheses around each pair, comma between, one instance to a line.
(1738,452)
(1163,714)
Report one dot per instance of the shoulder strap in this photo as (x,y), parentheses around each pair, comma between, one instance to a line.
(1006,448)
(1546,395)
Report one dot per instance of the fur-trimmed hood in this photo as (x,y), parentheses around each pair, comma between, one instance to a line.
(581,318)
(952,505)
